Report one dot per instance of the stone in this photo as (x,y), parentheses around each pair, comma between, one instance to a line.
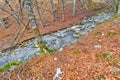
(74,27)
(58,74)
(55,58)
(76,35)
(61,49)
(97,46)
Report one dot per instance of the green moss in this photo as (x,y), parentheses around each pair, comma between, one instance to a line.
(109,58)
(10,64)
(44,47)
(103,55)
(112,33)
(49,51)
(42,55)
(76,51)
(99,33)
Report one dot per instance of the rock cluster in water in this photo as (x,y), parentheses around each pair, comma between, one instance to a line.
(54,40)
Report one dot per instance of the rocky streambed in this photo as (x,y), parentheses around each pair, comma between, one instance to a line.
(54,40)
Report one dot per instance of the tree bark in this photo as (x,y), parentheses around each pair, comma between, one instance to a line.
(74,8)
(51,9)
(63,14)
(30,12)
(119,7)
(39,13)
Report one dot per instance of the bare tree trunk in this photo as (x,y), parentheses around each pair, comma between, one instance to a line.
(30,12)
(119,7)
(39,13)
(21,8)
(74,8)
(51,9)
(63,14)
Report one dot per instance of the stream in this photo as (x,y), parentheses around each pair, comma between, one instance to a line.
(54,40)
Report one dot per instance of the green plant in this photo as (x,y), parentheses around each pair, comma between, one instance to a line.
(44,48)
(100,77)
(99,33)
(9,65)
(108,57)
(42,55)
(116,7)
(49,51)
(111,33)
(114,16)
(103,55)
(76,51)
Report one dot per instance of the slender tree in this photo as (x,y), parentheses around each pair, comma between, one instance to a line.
(51,9)
(74,8)
(39,13)
(30,12)
(63,14)
(20,8)
(118,7)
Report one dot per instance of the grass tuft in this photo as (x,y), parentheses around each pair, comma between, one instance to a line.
(112,33)
(76,52)
(103,55)
(9,65)
(108,57)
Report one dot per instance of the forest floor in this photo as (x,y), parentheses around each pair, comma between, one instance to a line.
(95,56)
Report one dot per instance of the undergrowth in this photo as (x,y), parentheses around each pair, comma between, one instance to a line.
(76,52)
(44,49)
(108,57)
(112,33)
(100,77)
(9,65)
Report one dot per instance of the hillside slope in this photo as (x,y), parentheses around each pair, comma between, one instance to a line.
(95,56)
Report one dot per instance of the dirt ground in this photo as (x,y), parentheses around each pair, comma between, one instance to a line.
(95,56)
